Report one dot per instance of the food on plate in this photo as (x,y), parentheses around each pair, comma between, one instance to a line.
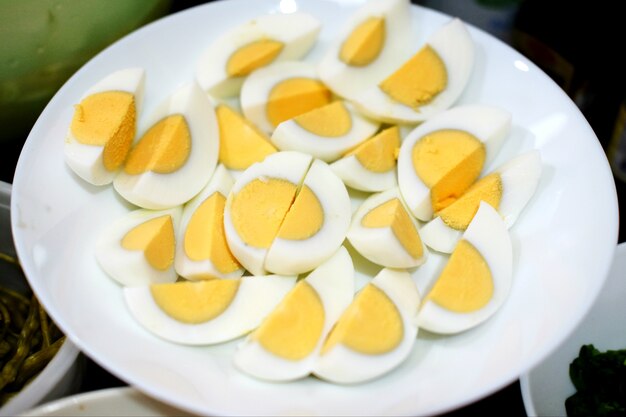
(280,92)
(230,58)
(508,189)
(287,343)
(176,155)
(476,279)
(373,42)
(428,83)
(384,232)
(103,126)
(209,311)
(445,155)
(375,333)
(326,132)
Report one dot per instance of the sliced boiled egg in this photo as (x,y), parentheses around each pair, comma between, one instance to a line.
(103,127)
(475,281)
(429,82)
(206,312)
(371,45)
(280,92)
(384,232)
(203,252)
(375,333)
(326,132)
(140,247)
(443,156)
(508,189)
(371,166)
(286,344)
(229,59)
(175,157)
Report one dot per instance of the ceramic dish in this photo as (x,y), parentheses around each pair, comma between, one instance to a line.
(563,242)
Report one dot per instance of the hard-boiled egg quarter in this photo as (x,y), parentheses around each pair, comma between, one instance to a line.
(372,44)
(229,59)
(140,247)
(286,344)
(475,281)
(508,189)
(428,83)
(176,156)
(384,232)
(375,333)
(206,312)
(104,125)
(443,156)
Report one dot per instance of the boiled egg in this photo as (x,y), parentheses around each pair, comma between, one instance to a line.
(103,127)
(206,312)
(443,156)
(429,82)
(371,166)
(370,46)
(229,59)
(286,344)
(139,248)
(375,334)
(326,132)
(384,232)
(508,189)
(203,252)
(175,157)
(280,92)
(476,279)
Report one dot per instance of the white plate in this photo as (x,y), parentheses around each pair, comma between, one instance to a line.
(545,387)
(563,242)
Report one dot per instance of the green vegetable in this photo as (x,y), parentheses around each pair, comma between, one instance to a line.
(600,381)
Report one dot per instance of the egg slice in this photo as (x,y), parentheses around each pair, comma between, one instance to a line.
(176,156)
(280,92)
(429,82)
(241,142)
(443,156)
(206,312)
(286,344)
(375,333)
(475,281)
(140,247)
(326,132)
(229,59)
(508,189)
(103,127)
(203,252)
(371,45)
(384,232)
(371,166)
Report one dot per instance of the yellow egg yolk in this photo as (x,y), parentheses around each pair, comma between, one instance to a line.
(156,239)
(459,214)
(365,43)
(371,324)
(295,96)
(106,119)
(379,153)
(293,329)
(241,144)
(392,214)
(195,302)
(332,120)
(305,217)
(204,237)
(163,149)
(419,80)
(466,283)
(252,56)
